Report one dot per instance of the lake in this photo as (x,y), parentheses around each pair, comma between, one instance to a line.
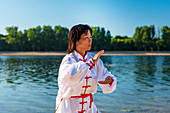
(28,84)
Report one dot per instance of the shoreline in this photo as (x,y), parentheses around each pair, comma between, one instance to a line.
(107,53)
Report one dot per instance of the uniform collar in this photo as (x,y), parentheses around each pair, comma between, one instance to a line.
(79,55)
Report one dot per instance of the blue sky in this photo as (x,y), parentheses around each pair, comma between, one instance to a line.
(121,17)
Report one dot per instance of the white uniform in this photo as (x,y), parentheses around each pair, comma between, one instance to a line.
(78,78)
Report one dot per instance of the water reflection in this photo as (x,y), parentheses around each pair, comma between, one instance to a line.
(143,83)
(145,68)
(166,67)
(28,70)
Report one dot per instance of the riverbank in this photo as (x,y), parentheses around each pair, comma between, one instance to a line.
(107,53)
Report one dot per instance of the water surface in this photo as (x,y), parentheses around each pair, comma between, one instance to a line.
(28,84)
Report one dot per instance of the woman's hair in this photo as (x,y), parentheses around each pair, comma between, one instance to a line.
(75,34)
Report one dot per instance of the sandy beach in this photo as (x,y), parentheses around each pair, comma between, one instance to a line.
(107,53)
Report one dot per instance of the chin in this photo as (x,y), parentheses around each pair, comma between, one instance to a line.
(89,49)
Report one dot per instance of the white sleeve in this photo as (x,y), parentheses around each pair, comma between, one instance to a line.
(72,72)
(102,73)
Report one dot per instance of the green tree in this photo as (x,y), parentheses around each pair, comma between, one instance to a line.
(61,38)
(101,39)
(146,37)
(12,38)
(152,44)
(48,39)
(138,38)
(3,44)
(96,38)
(113,45)
(107,41)
(166,37)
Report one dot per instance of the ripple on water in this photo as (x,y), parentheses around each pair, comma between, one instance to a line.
(30,84)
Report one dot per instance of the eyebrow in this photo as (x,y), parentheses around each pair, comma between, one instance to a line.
(85,34)
(87,37)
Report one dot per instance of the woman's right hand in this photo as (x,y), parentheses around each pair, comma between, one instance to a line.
(97,56)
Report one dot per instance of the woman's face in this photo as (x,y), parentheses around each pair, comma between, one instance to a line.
(85,42)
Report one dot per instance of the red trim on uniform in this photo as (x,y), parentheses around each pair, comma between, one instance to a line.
(87,77)
(84,60)
(58,105)
(86,86)
(88,64)
(84,95)
(81,54)
(92,59)
(81,111)
(91,67)
(91,100)
(91,62)
(83,102)
(112,82)
(97,111)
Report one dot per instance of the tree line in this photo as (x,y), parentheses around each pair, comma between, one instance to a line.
(47,38)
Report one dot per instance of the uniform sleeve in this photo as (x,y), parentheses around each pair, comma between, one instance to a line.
(102,73)
(72,72)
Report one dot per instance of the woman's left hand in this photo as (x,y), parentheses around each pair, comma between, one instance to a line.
(108,80)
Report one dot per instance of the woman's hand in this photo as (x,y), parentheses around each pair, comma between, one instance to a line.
(108,80)
(97,56)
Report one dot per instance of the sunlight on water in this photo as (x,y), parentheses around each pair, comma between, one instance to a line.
(29,84)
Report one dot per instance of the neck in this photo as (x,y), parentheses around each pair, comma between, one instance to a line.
(82,52)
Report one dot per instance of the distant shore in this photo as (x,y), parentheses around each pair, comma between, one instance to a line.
(107,53)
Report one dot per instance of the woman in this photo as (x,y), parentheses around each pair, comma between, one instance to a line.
(79,73)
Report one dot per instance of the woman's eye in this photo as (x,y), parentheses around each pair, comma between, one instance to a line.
(89,38)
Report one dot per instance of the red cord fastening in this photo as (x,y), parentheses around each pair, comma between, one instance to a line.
(82,111)
(84,60)
(86,86)
(92,66)
(87,77)
(83,102)
(91,100)
(85,95)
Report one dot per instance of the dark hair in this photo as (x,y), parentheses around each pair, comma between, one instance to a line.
(75,34)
